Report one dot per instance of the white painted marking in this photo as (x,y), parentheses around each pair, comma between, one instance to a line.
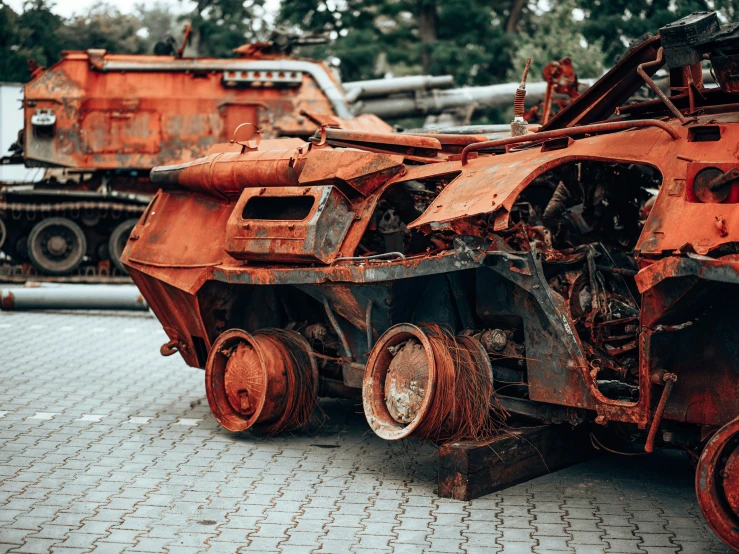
(98,330)
(139,420)
(4,325)
(44,415)
(36,327)
(66,328)
(3,414)
(183,421)
(130,330)
(90,417)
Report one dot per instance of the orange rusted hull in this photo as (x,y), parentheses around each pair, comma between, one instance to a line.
(532,252)
(95,110)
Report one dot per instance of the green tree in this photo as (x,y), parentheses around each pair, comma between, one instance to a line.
(618,23)
(157,22)
(104,27)
(552,36)
(12,65)
(371,38)
(470,39)
(473,43)
(30,35)
(219,26)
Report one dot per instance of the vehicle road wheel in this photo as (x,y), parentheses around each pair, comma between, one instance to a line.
(717,483)
(3,234)
(57,246)
(267,381)
(118,240)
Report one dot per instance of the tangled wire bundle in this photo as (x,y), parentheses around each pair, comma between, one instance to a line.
(464,404)
(302,380)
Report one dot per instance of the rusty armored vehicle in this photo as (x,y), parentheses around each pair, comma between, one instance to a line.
(101,121)
(586,272)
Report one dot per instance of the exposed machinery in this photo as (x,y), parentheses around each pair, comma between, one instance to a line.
(104,120)
(454,279)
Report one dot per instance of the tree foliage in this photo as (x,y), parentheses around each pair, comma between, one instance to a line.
(30,35)
(477,41)
(552,36)
(219,26)
(375,38)
(618,23)
(104,27)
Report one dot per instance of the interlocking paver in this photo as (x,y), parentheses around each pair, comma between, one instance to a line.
(132,461)
(623,546)
(552,544)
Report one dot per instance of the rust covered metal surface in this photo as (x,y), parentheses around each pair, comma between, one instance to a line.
(100,122)
(717,483)
(583,273)
(96,110)
(267,381)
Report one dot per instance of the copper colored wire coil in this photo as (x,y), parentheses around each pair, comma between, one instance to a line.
(519,103)
(443,400)
(302,380)
(464,393)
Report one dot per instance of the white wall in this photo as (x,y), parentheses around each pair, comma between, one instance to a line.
(11,121)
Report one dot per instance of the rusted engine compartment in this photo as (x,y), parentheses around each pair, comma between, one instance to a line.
(583,273)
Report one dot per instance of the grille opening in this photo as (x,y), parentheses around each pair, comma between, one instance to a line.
(704,133)
(278,208)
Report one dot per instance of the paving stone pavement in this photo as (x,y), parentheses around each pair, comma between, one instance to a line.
(107,447)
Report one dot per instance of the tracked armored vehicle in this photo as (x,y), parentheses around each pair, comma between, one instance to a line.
(101,121)
(587,272)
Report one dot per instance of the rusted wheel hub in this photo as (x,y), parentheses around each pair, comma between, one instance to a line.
(425,382)
(717,483)
(399,382)
(406,381)
(244,380)
(57,245)
(267,381)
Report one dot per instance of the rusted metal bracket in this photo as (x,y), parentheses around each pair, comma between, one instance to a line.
(641,70)
(570,131)
(245,145)
(723,180)
(185,40)
(368,322)
(172,347)
(669,379)
(337,329)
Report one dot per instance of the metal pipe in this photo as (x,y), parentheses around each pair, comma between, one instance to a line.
(368,322)
(339,333)
(228,173)
(669,380)
(319,75)
(74,297)
(395,85)
(502,129)
(437,101)
(651,84)
(569,131)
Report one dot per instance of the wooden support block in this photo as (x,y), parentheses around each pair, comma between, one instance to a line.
(468,470)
